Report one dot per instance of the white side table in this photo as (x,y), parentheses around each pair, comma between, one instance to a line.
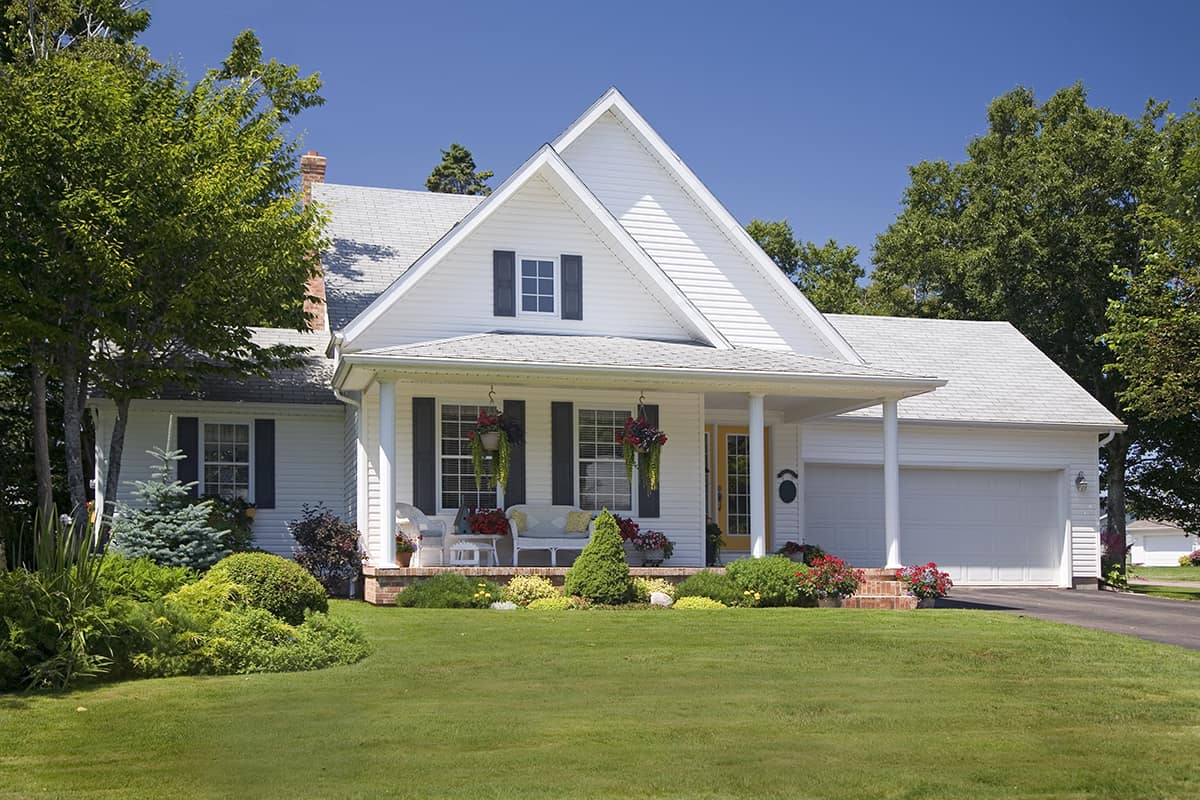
(469,550)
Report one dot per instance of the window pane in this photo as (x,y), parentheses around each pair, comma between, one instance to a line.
(529,285)
(545,269)
(546,304)
(602,481)
(529,302)
(457,472)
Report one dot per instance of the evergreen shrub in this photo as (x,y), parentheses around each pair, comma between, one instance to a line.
(601,573)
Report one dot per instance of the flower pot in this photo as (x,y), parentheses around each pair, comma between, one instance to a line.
(652,558)
(490,441)
(632,554)
(927,602)
(250,512)
(404,559)
(797,558)
(829,602)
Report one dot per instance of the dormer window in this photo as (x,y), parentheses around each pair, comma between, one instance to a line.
(538,279)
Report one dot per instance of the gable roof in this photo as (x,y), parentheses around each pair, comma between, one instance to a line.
(376,235)
(994,374)
(545,161)
(615,102)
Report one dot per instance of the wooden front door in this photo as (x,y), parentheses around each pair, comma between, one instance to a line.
(731,490)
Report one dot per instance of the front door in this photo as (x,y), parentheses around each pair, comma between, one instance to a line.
(732,486)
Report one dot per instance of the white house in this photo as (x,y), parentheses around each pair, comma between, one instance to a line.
(1158,544)
(603,274)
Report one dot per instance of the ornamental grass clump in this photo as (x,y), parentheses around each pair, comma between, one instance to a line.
(829,577)
(601,573)
(925,581)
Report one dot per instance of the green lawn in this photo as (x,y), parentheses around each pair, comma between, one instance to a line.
(1166,573)
(743,703)
(1172,592)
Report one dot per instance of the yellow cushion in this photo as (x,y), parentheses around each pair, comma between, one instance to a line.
(578,521)
(519,518)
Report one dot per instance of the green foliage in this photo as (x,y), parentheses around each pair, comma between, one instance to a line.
(275,584)
(644,587)
(231,516)
(827,274)
(697,603)
(769,581)
(449,590)
(141,579)
(167,527)
(524,589)
(31,31)
(713,585)
(456,174)
(253,640)
(600,574)
(554,604)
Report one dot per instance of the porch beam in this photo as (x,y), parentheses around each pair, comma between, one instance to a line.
(891,483)
(758,478)
(386,552)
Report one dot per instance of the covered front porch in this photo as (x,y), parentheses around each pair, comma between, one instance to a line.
(733,423)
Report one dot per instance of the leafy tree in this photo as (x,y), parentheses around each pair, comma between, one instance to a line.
(827,274)
(167,527)
(160,220)
(456,174)
(38,29)
(1156,323)
(1028,229)
(1163,472)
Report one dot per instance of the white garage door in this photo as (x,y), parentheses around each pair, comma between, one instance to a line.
(983,527)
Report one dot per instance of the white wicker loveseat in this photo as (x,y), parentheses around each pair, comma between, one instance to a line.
(545,529)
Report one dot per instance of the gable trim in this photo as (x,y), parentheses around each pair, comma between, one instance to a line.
(613,100)
(545,158)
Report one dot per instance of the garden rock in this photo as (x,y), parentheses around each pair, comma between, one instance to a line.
(661,599)
(504,605)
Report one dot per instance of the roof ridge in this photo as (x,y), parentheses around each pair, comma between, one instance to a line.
(453,197)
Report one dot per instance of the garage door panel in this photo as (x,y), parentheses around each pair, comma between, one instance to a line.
(983,527)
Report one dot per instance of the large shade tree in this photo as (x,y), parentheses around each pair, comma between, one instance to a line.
(1029,229)
(827,274)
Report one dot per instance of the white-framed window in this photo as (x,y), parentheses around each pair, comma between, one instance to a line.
(538,285)
(602,479)
(457,472)
(227,458)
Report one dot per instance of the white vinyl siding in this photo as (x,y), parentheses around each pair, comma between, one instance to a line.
(602,479)
(455,299)
(710,269)
(309,443)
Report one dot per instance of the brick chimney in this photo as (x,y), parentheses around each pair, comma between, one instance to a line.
(312,170)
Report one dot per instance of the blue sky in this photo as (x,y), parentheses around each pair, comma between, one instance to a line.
(807,111)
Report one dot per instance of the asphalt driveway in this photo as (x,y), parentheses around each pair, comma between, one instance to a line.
(1154,618)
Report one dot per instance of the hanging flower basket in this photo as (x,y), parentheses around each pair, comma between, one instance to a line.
(492,440)
(643,444)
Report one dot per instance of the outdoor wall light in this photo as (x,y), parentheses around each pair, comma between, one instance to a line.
(1081,482)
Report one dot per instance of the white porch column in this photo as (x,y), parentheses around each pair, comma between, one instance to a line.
(386,554)
(891,483)
(758,479)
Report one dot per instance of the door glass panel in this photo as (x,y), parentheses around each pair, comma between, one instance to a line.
(737,489)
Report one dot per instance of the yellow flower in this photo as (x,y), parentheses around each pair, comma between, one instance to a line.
(757,596)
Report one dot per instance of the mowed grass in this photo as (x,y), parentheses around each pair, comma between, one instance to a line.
(793,703)
(1166,573)
(1171,592)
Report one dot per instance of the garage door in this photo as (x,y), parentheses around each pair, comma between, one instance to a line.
(983,527)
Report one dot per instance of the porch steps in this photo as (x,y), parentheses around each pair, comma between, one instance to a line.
(880,590)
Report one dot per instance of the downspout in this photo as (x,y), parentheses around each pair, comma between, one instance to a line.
(357,405)
(1108,438)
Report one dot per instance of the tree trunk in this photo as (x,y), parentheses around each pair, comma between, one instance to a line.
(116,449)
(1118,451)
(73,382)
(41,436)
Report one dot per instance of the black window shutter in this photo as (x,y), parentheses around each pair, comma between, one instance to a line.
(504,284)
(424,423)
(648,505)
(264,463)
(562,453)
(187,439)
(572,287)
(514,491)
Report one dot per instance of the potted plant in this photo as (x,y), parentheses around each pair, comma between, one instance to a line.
(830,580)
(926,583)
(487,522)
(405,547)
(800,553)
(643,446)
(492,438)
(654,547)
(714,540)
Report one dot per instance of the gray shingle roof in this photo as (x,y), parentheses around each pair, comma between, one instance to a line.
(376,235)
(308,383)
(993,373)
(619,352)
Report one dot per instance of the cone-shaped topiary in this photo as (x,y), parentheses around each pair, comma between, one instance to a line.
(601,573)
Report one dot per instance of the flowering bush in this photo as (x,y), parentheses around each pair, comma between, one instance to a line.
(487,522)
(807,552)
(1194,558)
(653,540)
(925,581)
(830,577)
(626,527)
(643,445)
